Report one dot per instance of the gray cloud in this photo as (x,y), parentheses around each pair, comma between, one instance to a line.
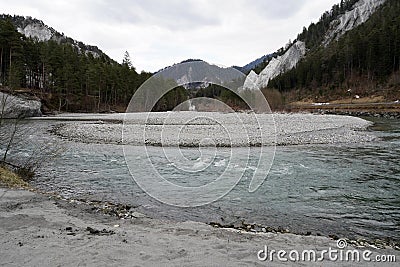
(172,15)
(281,9)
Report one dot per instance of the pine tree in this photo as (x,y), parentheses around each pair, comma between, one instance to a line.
(127,60)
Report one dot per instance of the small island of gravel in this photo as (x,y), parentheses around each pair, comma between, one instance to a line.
(225,129)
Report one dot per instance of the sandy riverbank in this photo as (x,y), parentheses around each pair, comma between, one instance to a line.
(38,230)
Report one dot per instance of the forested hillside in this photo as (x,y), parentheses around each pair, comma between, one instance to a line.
(365,59)
(66,77)
(314,35)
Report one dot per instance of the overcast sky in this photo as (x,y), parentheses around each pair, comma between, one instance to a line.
(158,33)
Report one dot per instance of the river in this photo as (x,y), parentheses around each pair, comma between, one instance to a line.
(349,190)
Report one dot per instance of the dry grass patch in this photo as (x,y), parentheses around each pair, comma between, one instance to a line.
(10,179)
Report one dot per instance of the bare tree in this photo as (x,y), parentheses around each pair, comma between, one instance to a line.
(15,138)
(10,140)
(3,103)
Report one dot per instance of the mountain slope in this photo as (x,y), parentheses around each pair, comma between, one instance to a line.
(66,74)
(254,64)
(359,14)
(36,29)
(364,61)
(276,66)
(342,18)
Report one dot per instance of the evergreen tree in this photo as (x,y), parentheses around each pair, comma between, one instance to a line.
(127,60)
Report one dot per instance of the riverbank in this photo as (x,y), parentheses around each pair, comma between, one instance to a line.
(388,110)
(10,179)
(42,230)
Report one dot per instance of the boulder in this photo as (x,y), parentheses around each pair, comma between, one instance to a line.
(14,107)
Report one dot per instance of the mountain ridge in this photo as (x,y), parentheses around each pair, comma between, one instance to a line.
(36,29)
(341,22)
(363,63)
(65,74)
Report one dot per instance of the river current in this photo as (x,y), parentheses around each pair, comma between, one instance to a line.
(349,190)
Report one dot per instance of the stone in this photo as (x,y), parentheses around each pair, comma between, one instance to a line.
(14,107)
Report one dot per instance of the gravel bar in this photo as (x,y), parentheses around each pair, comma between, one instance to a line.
(192,129)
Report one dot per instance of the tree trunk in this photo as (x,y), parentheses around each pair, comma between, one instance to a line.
(43,78)
(10,59)
(98,102)
(3,106)
(1,66)
(10,140)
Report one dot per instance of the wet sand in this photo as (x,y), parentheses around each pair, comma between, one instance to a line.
(40,230)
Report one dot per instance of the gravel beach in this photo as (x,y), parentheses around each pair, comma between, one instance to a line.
(214,129)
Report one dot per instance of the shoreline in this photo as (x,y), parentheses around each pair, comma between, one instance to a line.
(388,110)
(39,229)
(360,114)
(125,211)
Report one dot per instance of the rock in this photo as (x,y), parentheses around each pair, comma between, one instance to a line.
(276,66)
(334,237)
(137,215)
(19,106)
(216,224)
(94,231)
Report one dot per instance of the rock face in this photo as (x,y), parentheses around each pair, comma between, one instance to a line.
(360,13)
(276,66)
(36,30)
(18,106)
(251,80)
